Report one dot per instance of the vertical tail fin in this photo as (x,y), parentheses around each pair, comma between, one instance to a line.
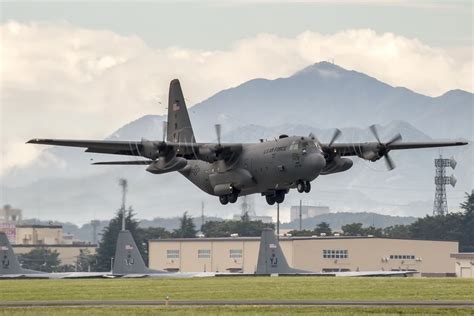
(128,259)
(179,126)
(270,256)
(8,261)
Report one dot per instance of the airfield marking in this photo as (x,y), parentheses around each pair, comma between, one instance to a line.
(239,303)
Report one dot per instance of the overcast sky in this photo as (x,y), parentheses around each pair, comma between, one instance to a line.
(82,69)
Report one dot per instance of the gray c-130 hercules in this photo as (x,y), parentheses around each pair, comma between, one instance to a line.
(230,170)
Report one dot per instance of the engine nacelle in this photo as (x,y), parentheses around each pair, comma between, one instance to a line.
(163,166)
(337,164)
(371,155)
(207,153)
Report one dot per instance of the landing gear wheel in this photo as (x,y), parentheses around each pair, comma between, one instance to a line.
(233,197)
(300,186)
(224,199)
(307,186)
(279,197)
(270,199)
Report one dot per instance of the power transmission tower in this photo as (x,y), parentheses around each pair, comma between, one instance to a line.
(440,206)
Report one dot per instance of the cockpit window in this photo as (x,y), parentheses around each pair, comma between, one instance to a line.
(301,144)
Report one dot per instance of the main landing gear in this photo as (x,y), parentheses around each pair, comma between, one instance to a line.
(229,198)
(303,186)
(277,197)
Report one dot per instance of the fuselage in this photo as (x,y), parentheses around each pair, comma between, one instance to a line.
(261,167)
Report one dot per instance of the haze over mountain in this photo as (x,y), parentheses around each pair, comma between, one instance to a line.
(61,183)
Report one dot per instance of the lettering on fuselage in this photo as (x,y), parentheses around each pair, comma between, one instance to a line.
(274,149)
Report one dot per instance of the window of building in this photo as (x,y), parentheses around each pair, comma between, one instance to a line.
(172,254)
(335,254)
(402,257)
(204,253)
(235,253)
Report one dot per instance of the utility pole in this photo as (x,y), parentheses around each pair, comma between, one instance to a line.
(301,215)
(440,205)
(202,214)
(278,221)
(123,183)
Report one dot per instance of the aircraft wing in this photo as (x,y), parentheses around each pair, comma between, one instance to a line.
(357,149)
(148,149)
(132,148)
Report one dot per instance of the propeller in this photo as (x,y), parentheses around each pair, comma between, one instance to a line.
(335,136)
(383,149)
(328,153)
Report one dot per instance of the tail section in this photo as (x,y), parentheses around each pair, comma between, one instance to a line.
(128,259)
(179,126)
(271,259)
(8,261)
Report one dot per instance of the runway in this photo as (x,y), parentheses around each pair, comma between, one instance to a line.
(238,303)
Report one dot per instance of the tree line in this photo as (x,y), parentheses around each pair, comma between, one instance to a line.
(457,226)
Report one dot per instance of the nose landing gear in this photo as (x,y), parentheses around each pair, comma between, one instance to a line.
(303,186)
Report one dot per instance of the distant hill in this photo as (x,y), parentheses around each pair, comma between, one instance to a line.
(62,184)
(336,220)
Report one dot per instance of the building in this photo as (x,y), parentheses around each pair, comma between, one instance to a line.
(29,237)
(39,234)
(316,254)
(67,253)
(464,264)
(307,211)
(10,215)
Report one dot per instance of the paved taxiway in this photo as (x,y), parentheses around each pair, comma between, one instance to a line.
(240,302)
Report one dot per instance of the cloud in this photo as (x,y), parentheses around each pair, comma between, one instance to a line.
(59,80)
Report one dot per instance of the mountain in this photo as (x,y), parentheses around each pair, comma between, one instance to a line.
(62,184)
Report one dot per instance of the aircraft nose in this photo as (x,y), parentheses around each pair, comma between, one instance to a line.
(314,163)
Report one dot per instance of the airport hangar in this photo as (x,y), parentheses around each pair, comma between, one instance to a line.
(430,258)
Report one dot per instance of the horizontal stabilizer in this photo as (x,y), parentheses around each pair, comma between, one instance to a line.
(130,162)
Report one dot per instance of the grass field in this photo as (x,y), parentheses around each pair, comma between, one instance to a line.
(233,310)
(239,288)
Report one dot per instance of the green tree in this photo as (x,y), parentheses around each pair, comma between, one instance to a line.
(84,261)
(373,231)
(146,234)
(41,259)
(242,228)
(323,228)
(186,229)
(467,238)
(66,268)
(354,229)
(106,249)
(397,231)
(304,232)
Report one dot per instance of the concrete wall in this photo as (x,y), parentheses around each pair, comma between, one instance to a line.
(363,254)
(464,264)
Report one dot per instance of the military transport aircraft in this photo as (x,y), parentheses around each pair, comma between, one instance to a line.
(230,170)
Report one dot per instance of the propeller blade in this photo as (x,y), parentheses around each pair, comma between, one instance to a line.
(373,129)
(218,133)
(335,136)
(395,139)
(165,130)
(389,162)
